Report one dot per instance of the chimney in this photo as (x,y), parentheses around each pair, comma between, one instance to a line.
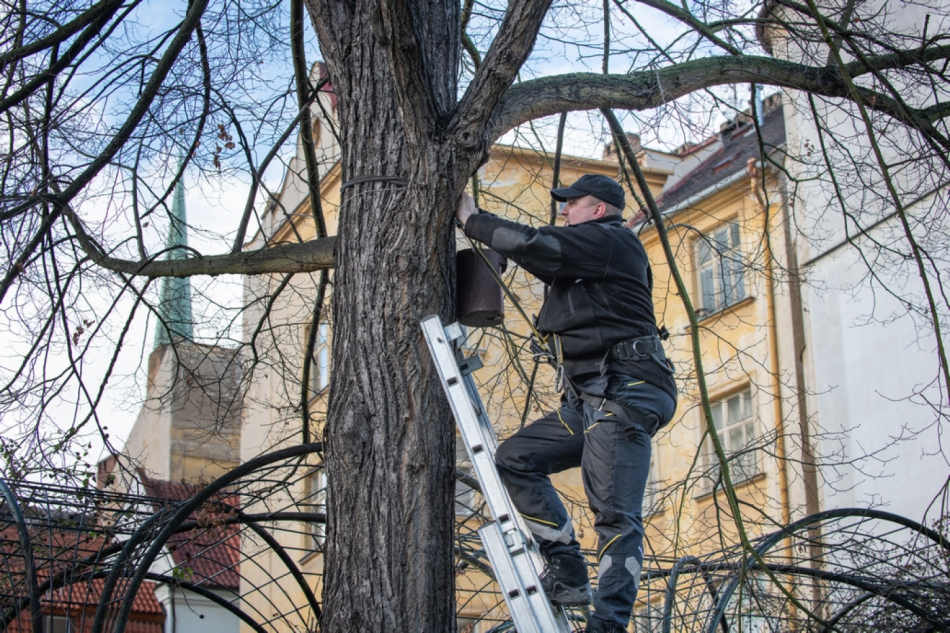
(324,72)
(610,149)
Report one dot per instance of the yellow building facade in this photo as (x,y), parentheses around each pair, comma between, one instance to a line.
(723,224)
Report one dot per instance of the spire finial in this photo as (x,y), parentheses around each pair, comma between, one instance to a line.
(174,308)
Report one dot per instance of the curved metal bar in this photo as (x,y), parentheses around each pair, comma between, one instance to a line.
(678,566)
(186,508)
(887,592)
(671,589)
(714,594)
(199,590)
(210,595)
(108,587)
(289,563)
(54,582)
(846,609)
(29,564)
(769,541)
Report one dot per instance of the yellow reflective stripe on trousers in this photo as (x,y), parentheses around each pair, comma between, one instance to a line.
(564,423)
(530,518)
(601,554)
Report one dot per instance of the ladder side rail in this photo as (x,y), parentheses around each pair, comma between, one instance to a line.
(528,605)
(478,447)
(484,422)
(516,516)
(513,553)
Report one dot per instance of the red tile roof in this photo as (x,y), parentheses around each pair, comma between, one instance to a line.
(86,594)
(211,553)
(79,601)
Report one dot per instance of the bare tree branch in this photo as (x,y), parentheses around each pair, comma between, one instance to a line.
(302,81)
(41,79)
(92,14)
(504,59)
(283,258)
(649,89)
(689,20)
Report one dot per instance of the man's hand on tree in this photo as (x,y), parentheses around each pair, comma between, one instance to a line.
(465,209)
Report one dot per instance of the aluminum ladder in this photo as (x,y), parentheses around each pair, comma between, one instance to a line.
(513,554)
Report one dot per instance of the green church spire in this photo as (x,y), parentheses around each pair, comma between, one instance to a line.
(175,304)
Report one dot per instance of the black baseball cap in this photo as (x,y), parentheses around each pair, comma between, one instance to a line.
(601,187)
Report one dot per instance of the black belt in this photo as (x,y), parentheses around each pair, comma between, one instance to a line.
(642,348)
(648,347)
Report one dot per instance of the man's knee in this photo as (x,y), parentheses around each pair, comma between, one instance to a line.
(507,458)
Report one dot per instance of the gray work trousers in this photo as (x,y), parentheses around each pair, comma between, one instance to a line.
(614,470)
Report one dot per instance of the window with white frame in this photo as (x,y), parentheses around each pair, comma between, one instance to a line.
(720,269)
(317,503)
(734,419)
(464,494)
(56,624)
(320,363)
(647,618)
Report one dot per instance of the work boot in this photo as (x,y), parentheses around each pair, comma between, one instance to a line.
(564,581)
(595,625)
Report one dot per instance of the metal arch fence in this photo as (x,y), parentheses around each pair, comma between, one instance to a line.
(90,554)
(847,570)
(251,537)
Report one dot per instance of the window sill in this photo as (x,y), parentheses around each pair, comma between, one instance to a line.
(707,494)
(704,318)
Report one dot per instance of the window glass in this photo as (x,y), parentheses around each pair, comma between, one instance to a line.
(720,269)
(56,624)
(734,419)
(703,252)
(317,503)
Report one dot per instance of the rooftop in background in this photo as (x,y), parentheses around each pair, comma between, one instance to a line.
(739,144)
(211,552)
(80,599)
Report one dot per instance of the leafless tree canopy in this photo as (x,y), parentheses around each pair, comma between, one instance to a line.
(105,106)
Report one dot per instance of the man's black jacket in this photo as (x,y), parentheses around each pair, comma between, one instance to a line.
(601,285)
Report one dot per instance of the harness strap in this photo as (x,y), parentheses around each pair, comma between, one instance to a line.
(630,419)
(639,349)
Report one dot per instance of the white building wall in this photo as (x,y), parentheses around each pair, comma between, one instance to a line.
(873,381)
(873,368)
(186,612)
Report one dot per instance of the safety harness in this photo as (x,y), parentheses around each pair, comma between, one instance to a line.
(547,348)
(644,348)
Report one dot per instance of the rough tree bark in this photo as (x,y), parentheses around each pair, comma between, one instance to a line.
(390,449)
(390,446)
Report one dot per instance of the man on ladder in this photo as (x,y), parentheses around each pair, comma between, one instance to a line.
(601,332)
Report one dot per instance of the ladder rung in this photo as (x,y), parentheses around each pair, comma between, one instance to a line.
(513,554)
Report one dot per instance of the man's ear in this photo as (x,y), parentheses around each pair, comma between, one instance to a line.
(600,210)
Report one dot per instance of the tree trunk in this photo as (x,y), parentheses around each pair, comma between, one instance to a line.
(390,448)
